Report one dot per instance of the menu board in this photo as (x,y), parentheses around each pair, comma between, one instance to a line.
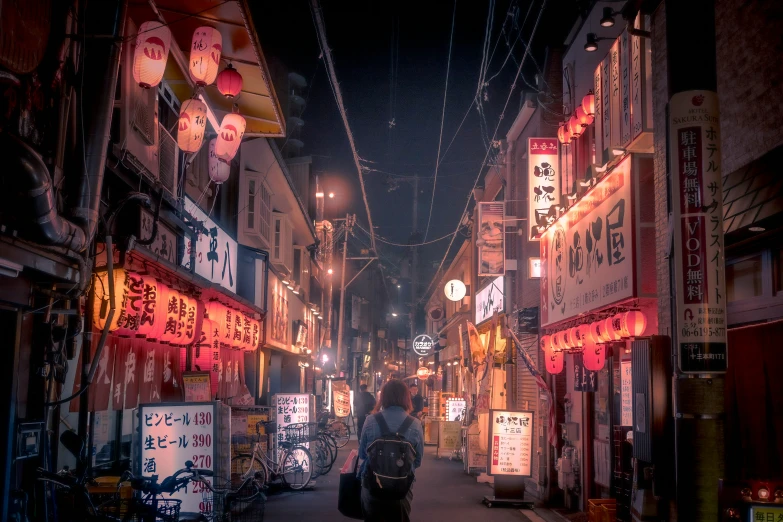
(290,408)
(449,435)
(197,386)
(170,435)
(455,409)
(342,399)
(510,443)
(626,389)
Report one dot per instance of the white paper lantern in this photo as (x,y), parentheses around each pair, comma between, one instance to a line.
(232,128)
(153,42)
(205,50)
(634,323)
(192,124)
(219,170)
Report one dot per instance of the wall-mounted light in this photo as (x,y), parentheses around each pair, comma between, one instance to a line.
(607,19)
(331,195)
(592,42)
(330,271)
(319,194)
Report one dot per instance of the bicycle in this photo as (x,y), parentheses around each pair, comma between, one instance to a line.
(293,464)
(338,428)
(231,503)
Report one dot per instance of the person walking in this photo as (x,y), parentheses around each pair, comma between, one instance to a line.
(391,446)
(364,406)
(417,401)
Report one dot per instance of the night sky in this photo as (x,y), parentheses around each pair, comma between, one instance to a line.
(365,39)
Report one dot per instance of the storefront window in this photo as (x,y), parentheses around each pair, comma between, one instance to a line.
(743,279)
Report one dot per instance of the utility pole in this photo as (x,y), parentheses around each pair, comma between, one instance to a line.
(414,266)
(349,220)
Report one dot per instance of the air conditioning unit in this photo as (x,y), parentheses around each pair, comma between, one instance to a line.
(138,116)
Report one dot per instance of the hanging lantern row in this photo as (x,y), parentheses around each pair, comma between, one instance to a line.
(145,307)
(589,339)
(582,117)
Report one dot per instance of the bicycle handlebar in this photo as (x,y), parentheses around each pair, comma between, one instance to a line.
(169,484)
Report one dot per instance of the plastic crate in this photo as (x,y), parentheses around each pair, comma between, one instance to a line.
(594,508)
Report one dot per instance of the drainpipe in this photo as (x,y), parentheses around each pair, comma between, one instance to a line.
(98,82)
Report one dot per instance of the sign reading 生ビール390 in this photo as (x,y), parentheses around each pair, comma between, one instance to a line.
(587,256)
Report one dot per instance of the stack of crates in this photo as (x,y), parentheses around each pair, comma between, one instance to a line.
(601,509)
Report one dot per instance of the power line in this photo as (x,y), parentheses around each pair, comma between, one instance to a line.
(483,163)
(442,119)
(327,53)
(408,245)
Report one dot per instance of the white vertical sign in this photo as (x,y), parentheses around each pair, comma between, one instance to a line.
(598,119)
(606,105)
(511,443)
(625,94)
(216,251)
(543,182)
(626,419)
(697,209)
(616,86)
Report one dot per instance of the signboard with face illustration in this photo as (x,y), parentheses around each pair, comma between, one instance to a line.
(587,256)
(491,241)
(543,183)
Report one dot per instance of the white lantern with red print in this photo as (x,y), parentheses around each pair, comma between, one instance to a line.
(160,312)
(192,125)
(151,308)
(232,128)
(576,341)
(229,82)
(219,170)
(582,331)
(634,323)
(153,42)
(205,50)
(172,317)
(128,293)
(614,327)
(236,341)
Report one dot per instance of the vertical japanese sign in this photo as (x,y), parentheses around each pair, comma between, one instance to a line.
(290,408)
(625,94)
(342,399)
(455,409)
(616,95)
(606,105)
(587,257)
(170,435)
(215,251)
(697,210)
(626,391)
(510,443)
(277,318)
(491,238)
(598,119)
(584,380)
(165,242)
(197,386)
(543,182)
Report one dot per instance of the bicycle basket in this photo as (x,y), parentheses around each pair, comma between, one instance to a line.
(297,433)
(131,509)
(227,503)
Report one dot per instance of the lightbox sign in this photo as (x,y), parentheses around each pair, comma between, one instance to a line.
(491,239)
(216,251)
(455,290)
(510,443)
(543,174)
(422,345)
(587,256)
(489,300)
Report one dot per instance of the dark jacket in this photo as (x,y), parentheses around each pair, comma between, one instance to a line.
(365,404)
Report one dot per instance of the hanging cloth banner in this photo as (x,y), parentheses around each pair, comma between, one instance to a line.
(171,387)
(100,390)
(531,367)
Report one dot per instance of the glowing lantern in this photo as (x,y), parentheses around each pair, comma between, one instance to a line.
(207,333)
(219,170)
(160,312)
(216,312)
(232,128)
(594,356)
(153,42)
(151,308)
(205,50)
(247,333)
(582,331)
(128,292)
(565,339)
(634,323)
(192,124)
(575,127)
(545,342)
(582,116)
(613,329)
(562,135)
(188,321)
(588,103)
(255,333)
(576,341)
(229,82)
(553,360)
(172,317)
(598,332)
(555,342)
(236,339)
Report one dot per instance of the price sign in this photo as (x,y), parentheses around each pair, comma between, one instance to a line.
(455,409)
(291,408)
(197,386)
(171,434)
(341,396)
(510,443)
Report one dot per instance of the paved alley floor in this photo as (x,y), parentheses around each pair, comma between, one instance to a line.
(442,492)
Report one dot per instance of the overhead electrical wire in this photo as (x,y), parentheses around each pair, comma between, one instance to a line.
(327,54)
(442,119)
(408,245)
(486,156)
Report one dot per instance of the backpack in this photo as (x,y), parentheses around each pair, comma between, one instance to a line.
(390,458)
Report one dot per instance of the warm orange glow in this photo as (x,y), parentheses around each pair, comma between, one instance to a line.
(634,323)
(229,82)
(230,136)
(575,127)
(545,342)
(205,50)
(192,125)
(150,54)
(588,103)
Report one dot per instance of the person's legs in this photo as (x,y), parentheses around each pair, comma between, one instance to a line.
(360,424)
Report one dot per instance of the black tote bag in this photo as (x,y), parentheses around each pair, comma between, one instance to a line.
(349,497)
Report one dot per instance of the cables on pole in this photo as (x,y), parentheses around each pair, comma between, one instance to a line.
(442,119)
(327,54)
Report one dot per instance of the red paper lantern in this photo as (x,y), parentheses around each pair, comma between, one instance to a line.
(554,361)
(555,342)
(634,323)
(594,356)
(565,339)
(128,299)
(563,135)
(613,327)
(229,82)
(236,331)
(598,332)
(575,127)
(192,125)
(582,116)
(582,332)
(150,54)
(151,307)
(545,342)
(205,50)
(576,341)
(232,128)
(172,317)
(160,313)
(588,103)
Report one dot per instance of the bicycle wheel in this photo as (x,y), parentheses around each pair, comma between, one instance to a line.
(341,432)
(297,467)
(322,457)
(330,444)
(245,466)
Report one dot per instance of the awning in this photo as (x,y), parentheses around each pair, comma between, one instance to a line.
(257,102)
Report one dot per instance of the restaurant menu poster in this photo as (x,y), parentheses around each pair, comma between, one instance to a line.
(197,386)
(170,435)
(510,443)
